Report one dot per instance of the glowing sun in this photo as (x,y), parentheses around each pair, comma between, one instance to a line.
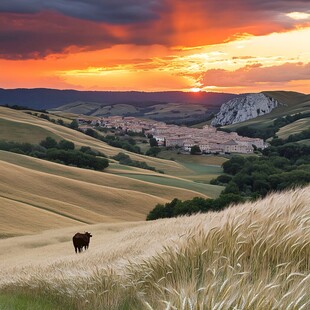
(195,89)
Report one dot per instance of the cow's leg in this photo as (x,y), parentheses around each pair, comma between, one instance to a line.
(76,249)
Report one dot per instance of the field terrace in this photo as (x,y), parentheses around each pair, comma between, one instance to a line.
(209,139)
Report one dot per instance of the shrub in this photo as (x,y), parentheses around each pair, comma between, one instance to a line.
(195,150)
(66,145)
(63,153)
(49,143)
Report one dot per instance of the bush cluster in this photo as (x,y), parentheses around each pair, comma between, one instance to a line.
(177,207)
(125,159)
(153,151)
(127,144)
(283,165)
(62,152)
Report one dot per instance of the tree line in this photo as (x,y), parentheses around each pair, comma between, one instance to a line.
(125,159)
(128,144)
(62,152)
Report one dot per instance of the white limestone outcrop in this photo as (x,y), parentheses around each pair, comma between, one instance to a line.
(244,107)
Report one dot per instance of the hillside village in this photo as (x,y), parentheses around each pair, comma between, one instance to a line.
(209,139)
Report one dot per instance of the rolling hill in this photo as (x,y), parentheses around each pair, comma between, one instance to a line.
(19,126)
(250,256)
(65,196)
(294,128)
(44,98)
(135,103)
(176,112)
(237,258)
(51,195)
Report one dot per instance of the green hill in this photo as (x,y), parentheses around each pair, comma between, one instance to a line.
(36,195)
(291,103)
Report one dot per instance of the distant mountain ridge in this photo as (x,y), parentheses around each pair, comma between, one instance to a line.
(169,106)
(44,98)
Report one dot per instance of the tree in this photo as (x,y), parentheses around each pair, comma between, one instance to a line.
(66,145)
(231,188)
(60,122)
(92,133)
(225,200)
(156,213)
(121,157)
(74,124)
(234,165)
(153,151)
(195,150)
(153,142)
(222,179)
(49,143)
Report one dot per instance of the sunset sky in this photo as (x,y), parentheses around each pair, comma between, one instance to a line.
(191,45)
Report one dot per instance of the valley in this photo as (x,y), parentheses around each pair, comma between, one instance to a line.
(134,264)
(47,190)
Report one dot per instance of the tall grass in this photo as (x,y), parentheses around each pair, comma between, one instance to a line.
(251,256)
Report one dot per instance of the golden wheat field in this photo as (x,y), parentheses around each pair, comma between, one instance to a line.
(21,127)
(250,256)
(36,195)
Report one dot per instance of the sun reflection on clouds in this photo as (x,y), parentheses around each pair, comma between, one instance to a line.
(158,67)
(299,15)
(190,65)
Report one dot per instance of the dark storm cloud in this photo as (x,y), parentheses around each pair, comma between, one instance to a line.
(128,11)
(283,6)
(111,11)
(36,28)
(279,5)
(48,33)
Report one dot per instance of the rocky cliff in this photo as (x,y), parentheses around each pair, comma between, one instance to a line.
(244,107)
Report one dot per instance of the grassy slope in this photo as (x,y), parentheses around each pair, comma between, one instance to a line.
(32,128)
(26,302)
(21,132)
(294,128)
(253,256)
(58,196)
(199,168)
(210,190)
(176,110)
(170,110)
(78,107)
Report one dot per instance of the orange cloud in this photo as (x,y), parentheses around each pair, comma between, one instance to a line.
(256,74)
(154,44)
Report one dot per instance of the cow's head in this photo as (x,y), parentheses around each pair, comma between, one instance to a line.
(88,234)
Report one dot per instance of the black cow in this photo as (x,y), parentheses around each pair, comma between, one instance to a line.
(80,241)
